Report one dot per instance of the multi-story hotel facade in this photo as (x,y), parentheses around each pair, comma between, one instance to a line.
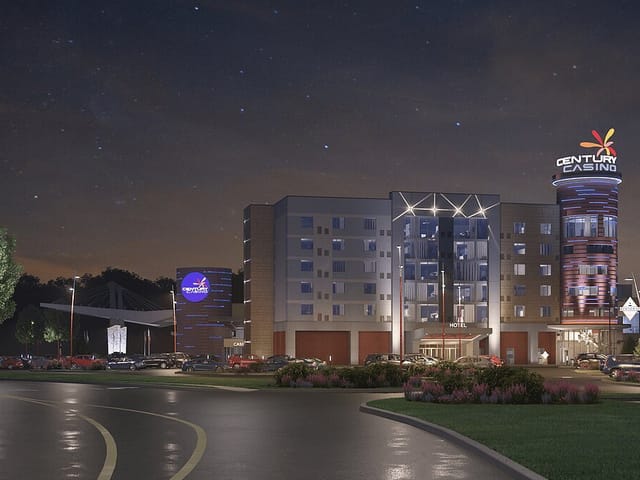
(444,274)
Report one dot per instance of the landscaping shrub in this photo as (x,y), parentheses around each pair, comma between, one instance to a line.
(506,385)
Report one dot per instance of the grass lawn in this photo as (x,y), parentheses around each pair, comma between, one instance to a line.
(557,441)
(139,378)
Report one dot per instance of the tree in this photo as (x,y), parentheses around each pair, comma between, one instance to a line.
(30,325)
(9,275)
(55,327)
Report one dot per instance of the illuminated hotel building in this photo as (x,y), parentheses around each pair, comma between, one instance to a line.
(443,274)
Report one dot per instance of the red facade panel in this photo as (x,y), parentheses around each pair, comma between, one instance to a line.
(547,340)
(518,343)
(279,346)
(373,342)
(324,345)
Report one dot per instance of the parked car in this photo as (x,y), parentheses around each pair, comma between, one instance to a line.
(275,362)
(85,362)
(617,365)
(243,361)
(205,363)
(36,362)
(418,359)
(178,358)
(11,363)
(385,358)
(160,360)
(314,362)
(590,361)
(477,361)
(125,363)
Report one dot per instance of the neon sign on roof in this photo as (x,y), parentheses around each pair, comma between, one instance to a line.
(598,162)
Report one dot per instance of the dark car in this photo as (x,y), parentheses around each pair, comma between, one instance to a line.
(275,362)
(617,365)
(590,361)
(205,363)
(161,360)
(384,358)
(125,363)
(177,359)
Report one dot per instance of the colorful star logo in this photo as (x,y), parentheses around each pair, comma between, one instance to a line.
(602,145)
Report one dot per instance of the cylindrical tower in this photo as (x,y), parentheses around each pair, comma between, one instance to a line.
(587,192)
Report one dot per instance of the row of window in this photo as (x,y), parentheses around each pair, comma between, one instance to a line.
(546,249)
(519,311)
(338,223)
(520,269)
(369,309)
(568,249)
(338,244)
(521,290)
(519,228)
(587,226)
(338,266)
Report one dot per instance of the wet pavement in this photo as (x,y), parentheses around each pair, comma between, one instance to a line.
(59,431)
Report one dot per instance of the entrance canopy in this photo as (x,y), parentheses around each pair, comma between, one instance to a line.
(153,318)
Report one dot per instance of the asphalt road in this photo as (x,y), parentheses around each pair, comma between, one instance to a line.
(64,431)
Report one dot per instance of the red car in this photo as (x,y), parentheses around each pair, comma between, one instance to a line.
(85,362)
(243,361)
(11,363)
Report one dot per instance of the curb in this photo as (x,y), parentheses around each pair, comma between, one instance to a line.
(515,470)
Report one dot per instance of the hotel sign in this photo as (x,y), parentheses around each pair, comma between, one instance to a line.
(630,309)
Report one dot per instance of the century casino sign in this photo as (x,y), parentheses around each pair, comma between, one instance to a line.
(602,161)
(195,287)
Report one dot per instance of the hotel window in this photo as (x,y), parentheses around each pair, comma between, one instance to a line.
(338,309)
(545,228)
(518,269)
(338,223)
(306,266)
(338,287)
(369,223)
(519,290)
(581,226)
(610,225)
(592,269)
(545,311)
(567,249)
(369,310)
(545,249)
(369,288)
(599,248)
(545,290)
(519,248)
(306,243)
(339,266)
(583,290)
(306,309)
(306,287)
(545,270)
(518,228)
(518,311)
(370,267)
(337,244)
(369,245)
(306,222)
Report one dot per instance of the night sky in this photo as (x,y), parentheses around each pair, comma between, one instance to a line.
(135,132)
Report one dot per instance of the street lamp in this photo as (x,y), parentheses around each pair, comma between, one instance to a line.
(173,306)
(73,298)
(635,285)
(442,313)
(400,267)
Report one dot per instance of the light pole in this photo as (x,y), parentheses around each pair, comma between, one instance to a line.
(400,267)
(635,285)
(173,306)
(73,299)
(442,313)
